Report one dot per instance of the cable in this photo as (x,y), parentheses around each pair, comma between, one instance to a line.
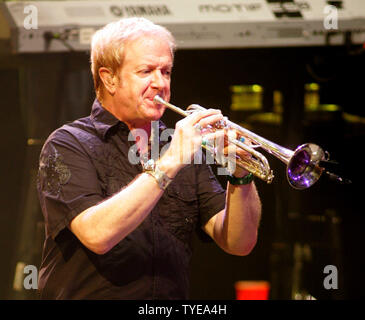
(49,36)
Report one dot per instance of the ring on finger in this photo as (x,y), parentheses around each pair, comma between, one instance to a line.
(198,127)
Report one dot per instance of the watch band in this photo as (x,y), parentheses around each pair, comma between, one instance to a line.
(161,177)
(240,181)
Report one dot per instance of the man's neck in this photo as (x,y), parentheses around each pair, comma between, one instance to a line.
(132,125)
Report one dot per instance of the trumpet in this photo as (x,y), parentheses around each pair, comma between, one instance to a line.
(303,165)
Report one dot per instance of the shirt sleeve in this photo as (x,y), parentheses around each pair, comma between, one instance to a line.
(67,181)
(211,195)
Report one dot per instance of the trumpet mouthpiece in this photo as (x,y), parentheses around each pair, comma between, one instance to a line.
(158,99)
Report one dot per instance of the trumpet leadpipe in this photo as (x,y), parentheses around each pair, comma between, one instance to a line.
(159,100)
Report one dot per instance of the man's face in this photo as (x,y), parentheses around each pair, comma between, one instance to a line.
(145,72)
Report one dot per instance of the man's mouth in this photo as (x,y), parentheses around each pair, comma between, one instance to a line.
(153,104)
(152,100)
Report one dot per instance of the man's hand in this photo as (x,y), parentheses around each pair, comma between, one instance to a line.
(187,140)
(232,152)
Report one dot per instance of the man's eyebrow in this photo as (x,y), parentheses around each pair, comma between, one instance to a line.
(169,65)
(149,65)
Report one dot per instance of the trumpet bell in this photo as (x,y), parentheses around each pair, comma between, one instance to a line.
(303,168)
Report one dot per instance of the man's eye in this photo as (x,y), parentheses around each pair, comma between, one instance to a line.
(144,71)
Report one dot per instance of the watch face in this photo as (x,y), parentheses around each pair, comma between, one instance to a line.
(149,165)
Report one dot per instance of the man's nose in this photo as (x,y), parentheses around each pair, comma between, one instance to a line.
(158,80)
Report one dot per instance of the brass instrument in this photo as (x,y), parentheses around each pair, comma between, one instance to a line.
(304,164)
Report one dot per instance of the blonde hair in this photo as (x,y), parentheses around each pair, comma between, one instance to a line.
(108,43)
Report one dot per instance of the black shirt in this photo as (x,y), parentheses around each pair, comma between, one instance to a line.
(82,164)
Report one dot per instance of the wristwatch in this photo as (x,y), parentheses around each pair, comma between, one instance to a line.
(161,177)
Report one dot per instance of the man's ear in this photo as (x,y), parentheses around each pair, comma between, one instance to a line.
(109,80)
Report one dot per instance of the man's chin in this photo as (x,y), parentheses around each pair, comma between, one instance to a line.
(153,112)
(156,114)
(156,117)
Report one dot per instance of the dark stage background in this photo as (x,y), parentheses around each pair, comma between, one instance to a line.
(301,231)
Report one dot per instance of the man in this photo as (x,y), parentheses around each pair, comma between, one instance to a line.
(118,230)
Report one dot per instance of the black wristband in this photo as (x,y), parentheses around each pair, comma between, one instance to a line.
(240,181)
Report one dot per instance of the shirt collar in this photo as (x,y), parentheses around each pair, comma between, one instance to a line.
(103,120)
